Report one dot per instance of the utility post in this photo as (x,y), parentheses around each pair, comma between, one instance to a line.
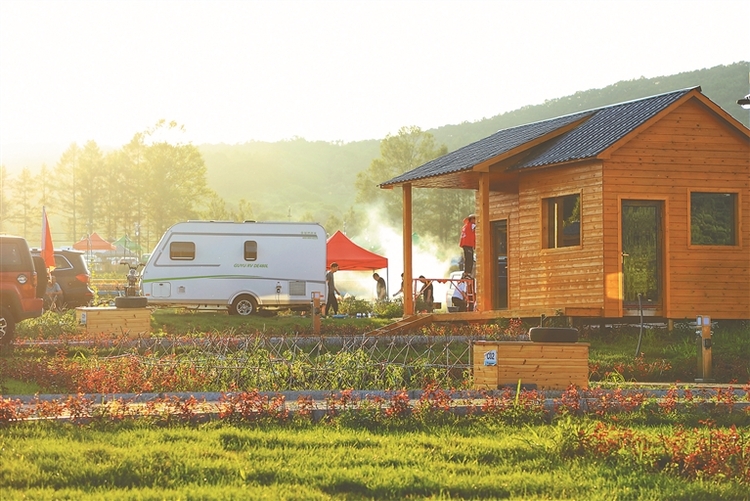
(705,362)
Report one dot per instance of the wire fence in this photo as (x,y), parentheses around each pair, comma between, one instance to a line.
(296,363)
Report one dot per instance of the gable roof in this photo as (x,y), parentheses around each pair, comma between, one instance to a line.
(568,138)
(350,256)
(93,242)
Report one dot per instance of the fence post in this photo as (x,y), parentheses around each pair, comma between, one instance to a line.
(316,296)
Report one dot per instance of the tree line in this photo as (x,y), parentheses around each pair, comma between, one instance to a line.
(149,184)
(138,190)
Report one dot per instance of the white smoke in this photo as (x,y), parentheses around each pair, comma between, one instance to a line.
(429,258)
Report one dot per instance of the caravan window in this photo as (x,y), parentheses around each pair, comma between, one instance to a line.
(182,251)
(251,250)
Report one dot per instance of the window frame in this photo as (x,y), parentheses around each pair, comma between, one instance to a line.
(253,254)
(550,240)
(188,254)
(736,195)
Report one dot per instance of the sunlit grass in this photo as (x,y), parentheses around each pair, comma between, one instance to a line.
(16,387)
(218,461)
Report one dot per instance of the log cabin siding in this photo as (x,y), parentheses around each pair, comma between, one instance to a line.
(505,206)
(562,277)
(689,149)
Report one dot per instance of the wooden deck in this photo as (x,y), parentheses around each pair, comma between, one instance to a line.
(485,316)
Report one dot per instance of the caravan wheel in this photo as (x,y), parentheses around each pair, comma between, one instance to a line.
(243,305)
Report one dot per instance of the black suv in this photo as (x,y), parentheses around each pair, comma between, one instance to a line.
(73,276)
(19,293)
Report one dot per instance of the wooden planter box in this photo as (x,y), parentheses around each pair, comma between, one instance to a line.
(132,321)
(552,366)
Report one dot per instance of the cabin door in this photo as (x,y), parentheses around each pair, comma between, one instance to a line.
(642,257)
(499,230)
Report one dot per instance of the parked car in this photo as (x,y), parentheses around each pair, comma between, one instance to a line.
(19,297)
(73,276)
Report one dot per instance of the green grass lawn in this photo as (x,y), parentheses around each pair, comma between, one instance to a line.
(221,461)
(469,459)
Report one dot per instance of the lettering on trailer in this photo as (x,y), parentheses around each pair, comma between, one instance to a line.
(250,265)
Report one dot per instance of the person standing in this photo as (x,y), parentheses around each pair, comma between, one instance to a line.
(331,302)
(381,291)
(401,290)
(427,293)
(468,242)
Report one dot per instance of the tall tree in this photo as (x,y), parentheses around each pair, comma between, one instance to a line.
(6,207)
(24,199)
(216,209)
(91,175)
(176,184)
(133,193)
(437,211)
(244,211)
(65,189)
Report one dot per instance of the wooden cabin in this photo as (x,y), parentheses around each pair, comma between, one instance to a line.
(638,207)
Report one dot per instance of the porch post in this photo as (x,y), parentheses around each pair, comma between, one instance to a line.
(484,247)
(408,298)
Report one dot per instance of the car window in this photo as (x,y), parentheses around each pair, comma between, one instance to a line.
(62,263)
(10,256)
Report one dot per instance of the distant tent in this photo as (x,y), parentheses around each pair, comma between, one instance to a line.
(124,243)
(351,256)
(93,243)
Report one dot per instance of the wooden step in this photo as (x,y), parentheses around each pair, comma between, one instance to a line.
(405,324)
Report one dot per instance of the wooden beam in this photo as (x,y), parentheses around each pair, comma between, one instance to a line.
(484,256)
(407,242)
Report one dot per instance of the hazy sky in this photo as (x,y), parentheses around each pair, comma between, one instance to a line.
(235,71)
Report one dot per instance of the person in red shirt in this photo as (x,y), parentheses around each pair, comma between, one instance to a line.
(468,242)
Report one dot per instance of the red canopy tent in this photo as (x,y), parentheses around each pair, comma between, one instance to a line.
(93,243)
(350,256)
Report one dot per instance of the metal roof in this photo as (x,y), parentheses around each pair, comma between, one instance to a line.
(600,129)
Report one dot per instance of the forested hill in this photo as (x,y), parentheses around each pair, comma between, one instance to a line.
(300,179)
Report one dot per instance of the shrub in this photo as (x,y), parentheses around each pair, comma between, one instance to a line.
(352,306)
(51,325)
(389,309)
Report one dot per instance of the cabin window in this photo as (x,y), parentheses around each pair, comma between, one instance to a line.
(182,251)
(713,218)
(561,221)
(251,250)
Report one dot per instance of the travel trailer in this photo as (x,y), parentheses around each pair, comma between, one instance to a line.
(240,266)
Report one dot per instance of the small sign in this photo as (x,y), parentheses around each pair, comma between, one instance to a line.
(83,318)
(490,357)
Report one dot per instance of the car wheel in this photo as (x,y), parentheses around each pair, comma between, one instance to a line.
(243,305)
(553,334)
(131,302)
(7,327)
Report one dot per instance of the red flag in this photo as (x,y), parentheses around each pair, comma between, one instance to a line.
(48,250)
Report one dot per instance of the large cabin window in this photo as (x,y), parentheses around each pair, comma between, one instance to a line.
(561,221)
(182,251)
(251,250)
(713,218)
